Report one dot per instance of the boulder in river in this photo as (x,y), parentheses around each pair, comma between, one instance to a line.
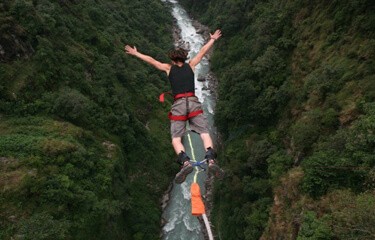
(201,79)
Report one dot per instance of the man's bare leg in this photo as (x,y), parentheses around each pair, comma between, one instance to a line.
(177,145)
(207,141)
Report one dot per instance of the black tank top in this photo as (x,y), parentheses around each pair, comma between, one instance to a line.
(182,79)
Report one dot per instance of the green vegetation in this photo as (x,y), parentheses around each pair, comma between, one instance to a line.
(84,144)
(296,114)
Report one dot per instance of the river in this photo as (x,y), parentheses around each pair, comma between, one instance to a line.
(180,224)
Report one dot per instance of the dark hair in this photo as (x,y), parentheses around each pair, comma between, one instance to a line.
(178,55)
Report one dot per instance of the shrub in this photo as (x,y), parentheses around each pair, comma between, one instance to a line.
(71,105)
(314,228)
(344,159)
(353,217)
(278,164)
(304,134)
(43,226)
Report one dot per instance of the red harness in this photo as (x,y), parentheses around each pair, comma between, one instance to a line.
(181,117)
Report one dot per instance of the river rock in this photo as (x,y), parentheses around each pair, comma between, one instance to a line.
(200,31)
(201,79)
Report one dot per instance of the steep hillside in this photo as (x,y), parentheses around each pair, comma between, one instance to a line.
(296,115)
(84,144)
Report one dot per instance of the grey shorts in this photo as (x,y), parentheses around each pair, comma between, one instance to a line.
(197,124)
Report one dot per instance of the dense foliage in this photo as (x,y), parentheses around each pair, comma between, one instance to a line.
(296,89)
(84,144)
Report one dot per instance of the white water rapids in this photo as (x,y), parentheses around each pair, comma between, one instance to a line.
(180,224)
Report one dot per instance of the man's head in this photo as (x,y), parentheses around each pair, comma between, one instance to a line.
(178,55)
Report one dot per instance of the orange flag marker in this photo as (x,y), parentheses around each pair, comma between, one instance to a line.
(197,206)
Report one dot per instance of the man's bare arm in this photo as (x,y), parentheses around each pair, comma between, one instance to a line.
(205,48)
(150,60)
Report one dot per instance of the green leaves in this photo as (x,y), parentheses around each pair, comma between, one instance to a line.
(343,160)
(43,226)
(353,217)
(314,229)
(75,107)
(302,70)
(64,60)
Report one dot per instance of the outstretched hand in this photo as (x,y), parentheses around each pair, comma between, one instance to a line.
(216,35)
(130,50)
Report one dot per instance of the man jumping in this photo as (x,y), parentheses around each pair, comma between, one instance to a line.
(186,106)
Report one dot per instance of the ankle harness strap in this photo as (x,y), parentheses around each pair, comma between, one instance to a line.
(182,158)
